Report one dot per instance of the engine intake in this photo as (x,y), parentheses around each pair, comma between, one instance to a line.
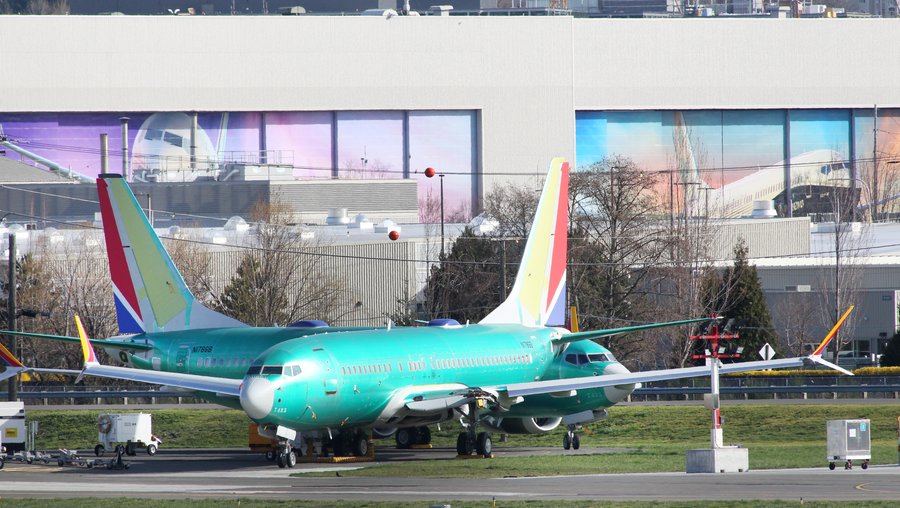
(529,425)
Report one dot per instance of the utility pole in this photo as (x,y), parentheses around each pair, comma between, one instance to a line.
(11,313)
(874,165)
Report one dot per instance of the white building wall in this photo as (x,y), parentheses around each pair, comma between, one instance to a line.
(526,75)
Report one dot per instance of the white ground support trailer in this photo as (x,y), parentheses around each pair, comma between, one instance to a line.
(849,440)
(12,426)
(128,431)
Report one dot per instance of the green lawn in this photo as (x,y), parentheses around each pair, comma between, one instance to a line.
(778,436)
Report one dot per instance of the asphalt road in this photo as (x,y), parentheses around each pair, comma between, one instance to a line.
(234,474)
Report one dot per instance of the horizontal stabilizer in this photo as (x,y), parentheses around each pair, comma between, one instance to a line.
(104,343)
(596,334)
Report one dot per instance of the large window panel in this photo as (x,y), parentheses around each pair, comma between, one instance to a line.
(445,141)
(302,139)
(370,144)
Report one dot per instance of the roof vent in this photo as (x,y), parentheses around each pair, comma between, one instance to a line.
(763,209)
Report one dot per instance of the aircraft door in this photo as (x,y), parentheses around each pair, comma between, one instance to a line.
(182,356)
(330,378)
(324,390)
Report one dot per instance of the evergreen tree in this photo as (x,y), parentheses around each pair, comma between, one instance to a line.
(891,356)
(243,297)
(466,285)
(744,303)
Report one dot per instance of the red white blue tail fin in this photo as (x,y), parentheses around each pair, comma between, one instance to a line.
(538,296)
(150,293)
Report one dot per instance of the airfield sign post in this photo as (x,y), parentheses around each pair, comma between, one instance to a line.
(718,458)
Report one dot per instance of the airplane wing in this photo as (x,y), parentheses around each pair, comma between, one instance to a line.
(220,386)
(568,384)
(596,334)
(562,385)
(105,343)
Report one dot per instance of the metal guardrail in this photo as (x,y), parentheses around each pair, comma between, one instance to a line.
(746,390)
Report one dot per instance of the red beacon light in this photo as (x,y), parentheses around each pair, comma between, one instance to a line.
(394,235)
(430,172)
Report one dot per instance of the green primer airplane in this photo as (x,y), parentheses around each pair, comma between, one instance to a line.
(509,372)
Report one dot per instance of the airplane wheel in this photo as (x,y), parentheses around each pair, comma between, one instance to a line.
(403,438)
(270,455)
(151,449)
(831,466)
(567,442)
(865,465)
(290,459)
(576,442)
(361,444)
(98,450)
(484,444)
(129,449)
(464,445)
(1,462)
(423,435)
(280,460)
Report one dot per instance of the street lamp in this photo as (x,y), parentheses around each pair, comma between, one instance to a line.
(429,173)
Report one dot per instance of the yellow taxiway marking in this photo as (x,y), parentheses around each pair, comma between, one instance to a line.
(865,488)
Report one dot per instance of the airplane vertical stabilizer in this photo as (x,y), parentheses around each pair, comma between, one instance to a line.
(150,294)
(538,295)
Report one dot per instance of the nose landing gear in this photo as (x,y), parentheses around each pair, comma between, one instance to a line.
(284,454)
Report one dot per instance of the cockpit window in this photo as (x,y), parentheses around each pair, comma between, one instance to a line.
(271,370)
(255,369)
(582,358)
(153,134)
(601,357)
(291,370)
(173,139)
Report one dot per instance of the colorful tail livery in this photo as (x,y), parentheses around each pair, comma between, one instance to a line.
(150,294)
(538,297)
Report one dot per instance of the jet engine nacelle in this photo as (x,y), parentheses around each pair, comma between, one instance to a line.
(381,433)
(529,425)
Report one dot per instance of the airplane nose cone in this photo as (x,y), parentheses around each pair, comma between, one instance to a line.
(257,396)
(617,393)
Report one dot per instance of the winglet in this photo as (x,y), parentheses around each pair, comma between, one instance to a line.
(9,359)
(832,333)
(89,356)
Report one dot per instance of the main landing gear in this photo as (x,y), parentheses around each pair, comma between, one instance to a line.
(348,444)
(471,441)
(571,440)
(412,436)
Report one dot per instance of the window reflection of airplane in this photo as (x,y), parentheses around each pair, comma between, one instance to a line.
(162,149)
(6,142)
(818,167)
(510,372)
